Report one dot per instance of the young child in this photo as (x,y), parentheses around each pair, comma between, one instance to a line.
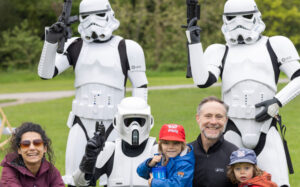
(177,157)
(242,170)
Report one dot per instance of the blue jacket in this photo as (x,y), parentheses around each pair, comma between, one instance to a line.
(180,171)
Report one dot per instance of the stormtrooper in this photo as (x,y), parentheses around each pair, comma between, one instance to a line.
(120,159)
(102,62)
(249,65)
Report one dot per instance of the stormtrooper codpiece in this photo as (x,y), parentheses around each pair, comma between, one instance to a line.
(119,159)
(249,65)
(102,62)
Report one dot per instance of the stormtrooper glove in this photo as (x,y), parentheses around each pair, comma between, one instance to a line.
(271,108)
(93,147)
(55,32)
(193,32)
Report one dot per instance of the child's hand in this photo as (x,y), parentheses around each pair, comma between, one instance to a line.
(155,160)
(150,179)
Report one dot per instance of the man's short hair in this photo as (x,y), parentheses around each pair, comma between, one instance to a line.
(211,99)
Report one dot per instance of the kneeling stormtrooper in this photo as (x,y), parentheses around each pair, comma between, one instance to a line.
(119,159)
(249,65)
(102,62)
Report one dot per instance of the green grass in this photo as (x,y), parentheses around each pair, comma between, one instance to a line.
(28,81)
(7,100)
(168,106)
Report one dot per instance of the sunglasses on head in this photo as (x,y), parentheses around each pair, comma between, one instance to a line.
(36,143)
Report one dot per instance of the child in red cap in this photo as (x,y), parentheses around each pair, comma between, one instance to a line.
(177,157)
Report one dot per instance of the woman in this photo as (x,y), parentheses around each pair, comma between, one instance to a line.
(25,164)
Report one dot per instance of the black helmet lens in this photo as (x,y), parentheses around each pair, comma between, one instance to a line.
(140,121)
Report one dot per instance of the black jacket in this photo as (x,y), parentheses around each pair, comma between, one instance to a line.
(211,167)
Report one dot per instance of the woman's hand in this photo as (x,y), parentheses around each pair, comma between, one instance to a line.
(155,160)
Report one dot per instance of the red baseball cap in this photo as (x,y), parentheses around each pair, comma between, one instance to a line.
(173,132)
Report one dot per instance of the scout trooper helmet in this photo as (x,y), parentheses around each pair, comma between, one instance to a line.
(97,20)
(133,120)
(242,22)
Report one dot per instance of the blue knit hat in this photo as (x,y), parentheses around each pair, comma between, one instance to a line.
(243,155)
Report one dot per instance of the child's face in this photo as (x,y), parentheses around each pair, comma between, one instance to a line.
(171,148)
(243,171)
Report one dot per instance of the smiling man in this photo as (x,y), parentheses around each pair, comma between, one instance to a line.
(211,151)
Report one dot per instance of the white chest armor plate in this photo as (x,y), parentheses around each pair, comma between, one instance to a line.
(99,80)
(248,78)
(124,170)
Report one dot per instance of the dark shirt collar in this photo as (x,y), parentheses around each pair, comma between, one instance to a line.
(214,147)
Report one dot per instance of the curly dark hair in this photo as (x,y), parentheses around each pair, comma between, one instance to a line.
(30,127)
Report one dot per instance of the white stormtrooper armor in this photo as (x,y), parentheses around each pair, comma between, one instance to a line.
(97,20)
(124,154)
(102,62)
(249,66)
(242,22)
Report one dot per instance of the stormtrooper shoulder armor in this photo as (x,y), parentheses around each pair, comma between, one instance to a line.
(135,55)
(105,154)
(284,49)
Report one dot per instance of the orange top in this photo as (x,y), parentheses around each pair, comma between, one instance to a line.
(263,180)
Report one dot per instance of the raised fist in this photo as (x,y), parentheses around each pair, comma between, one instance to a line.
(55,32)
(193,32)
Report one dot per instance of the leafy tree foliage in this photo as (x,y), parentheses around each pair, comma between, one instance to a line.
(282,17)
(20,49)
(154,24)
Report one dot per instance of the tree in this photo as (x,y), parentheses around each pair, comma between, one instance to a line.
(20,49)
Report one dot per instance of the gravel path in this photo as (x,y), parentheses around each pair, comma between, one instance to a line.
(30,97)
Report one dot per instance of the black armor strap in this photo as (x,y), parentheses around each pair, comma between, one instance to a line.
(285,146)
(124,59)
(79,122)
(274,60)
(108,131)
(223,61)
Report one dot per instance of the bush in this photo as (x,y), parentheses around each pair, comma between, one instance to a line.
(20,48)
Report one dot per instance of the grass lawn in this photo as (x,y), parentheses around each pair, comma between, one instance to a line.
(28,81)
(168,106)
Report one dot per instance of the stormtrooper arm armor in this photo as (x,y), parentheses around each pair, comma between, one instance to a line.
(46,67)
(137,68)
(288,57)
(52,63)
(205,67)
(82,179)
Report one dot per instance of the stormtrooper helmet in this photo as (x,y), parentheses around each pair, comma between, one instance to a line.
(242,23)
(133,120)
(97,20)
